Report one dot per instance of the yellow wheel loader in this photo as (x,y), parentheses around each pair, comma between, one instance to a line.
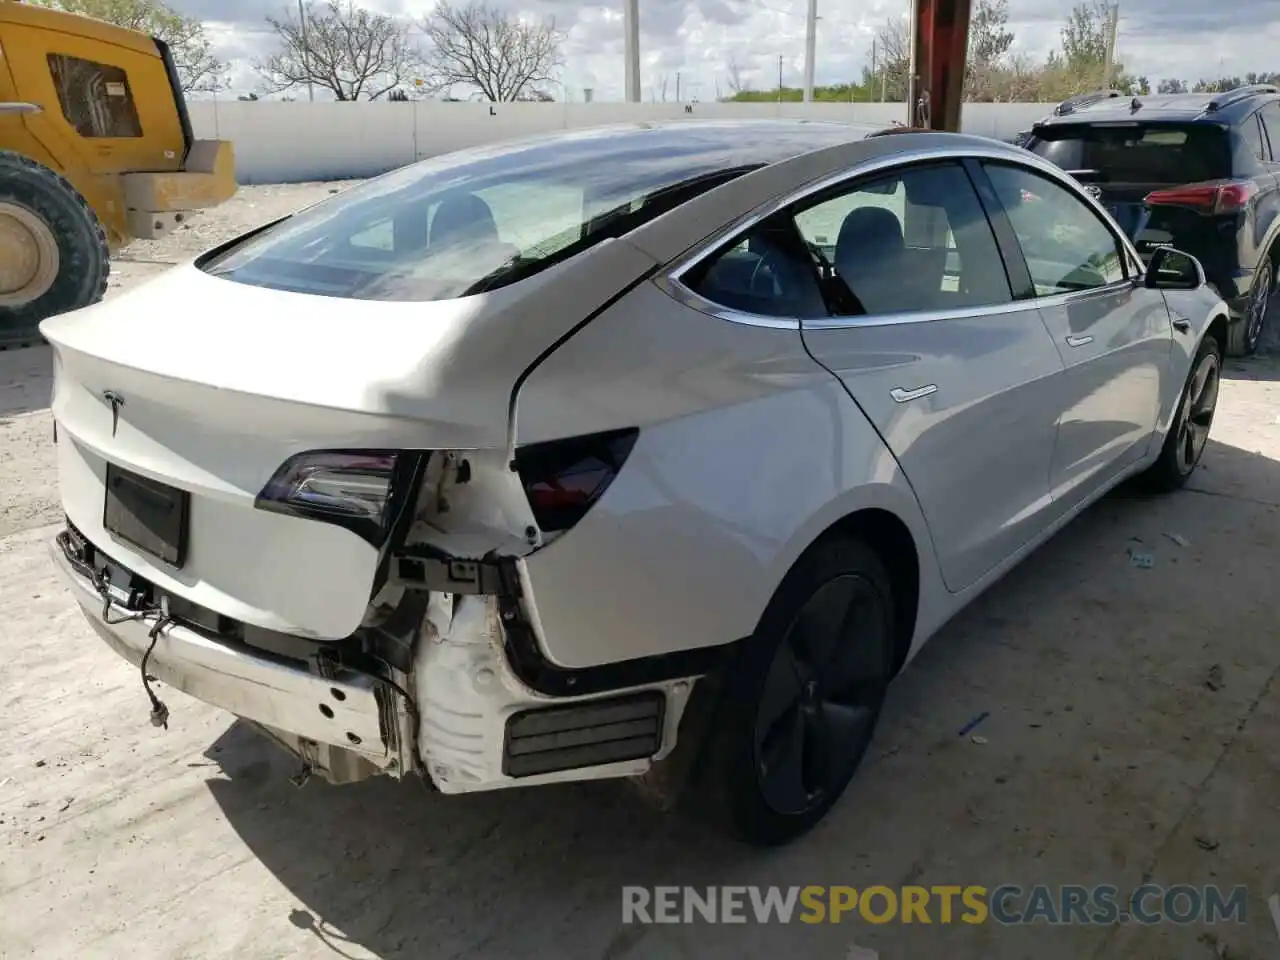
(96,150)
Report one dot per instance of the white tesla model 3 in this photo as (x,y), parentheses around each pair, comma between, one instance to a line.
(605,453)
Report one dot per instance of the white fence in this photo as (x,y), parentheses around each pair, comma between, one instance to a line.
(277,142)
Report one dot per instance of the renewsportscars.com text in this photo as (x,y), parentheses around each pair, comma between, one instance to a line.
(941,904)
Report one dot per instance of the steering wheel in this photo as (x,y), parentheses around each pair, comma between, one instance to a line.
(775,289)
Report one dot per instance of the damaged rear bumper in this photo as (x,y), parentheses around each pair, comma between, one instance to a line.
(347,711)
(461,714)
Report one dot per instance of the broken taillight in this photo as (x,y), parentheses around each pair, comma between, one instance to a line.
(349,488)
(1208,198)
(564,478)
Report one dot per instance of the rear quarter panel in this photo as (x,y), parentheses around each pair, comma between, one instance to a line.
(748,451)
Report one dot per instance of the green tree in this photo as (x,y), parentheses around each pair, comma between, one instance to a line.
(1084,39)
(989,43)
(198,68)
(1172,86)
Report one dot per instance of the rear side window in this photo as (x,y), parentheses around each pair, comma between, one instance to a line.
(1251,130)
(95,97)
(1270,116)
(766,272)
(1146,153)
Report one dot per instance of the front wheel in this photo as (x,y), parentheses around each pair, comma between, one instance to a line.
(53,250)
(1188,435)
(799,705)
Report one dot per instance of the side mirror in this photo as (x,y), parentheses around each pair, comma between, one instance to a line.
(1172,269)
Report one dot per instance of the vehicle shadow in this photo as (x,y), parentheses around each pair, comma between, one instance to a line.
(26,380)
(1057,657)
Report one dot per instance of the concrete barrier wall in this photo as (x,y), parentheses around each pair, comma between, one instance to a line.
(278,142)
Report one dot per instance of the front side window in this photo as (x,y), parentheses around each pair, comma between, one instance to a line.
(908,241)
(95,97)
(1066,246)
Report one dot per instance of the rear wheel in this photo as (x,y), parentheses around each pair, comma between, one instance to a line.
(799,705)
(53,250)
(1254,322)
(1188,435)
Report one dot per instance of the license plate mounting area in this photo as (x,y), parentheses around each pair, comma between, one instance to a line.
(147,514)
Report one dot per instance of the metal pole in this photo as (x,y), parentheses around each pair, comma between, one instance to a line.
(677,86)
(1108,65)
(631,42)
(871,87)
(810,49)
(306,53)
(779,78)
(914,67)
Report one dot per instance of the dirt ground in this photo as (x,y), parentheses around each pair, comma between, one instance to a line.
(1133,734)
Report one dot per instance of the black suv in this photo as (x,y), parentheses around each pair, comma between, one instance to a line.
(1197,171)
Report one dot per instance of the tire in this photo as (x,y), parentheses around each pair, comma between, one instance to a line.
(58,253)
(1188,434)
(735,786)
(1247,333)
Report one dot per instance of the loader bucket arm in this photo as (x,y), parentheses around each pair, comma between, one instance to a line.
(939,50)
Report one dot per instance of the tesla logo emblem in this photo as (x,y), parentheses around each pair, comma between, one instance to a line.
(116,401)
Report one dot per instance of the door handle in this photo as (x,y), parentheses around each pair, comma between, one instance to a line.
(906,396)
(1181,324)
(1078,341)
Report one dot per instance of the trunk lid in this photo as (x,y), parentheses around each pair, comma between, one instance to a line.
(219,383)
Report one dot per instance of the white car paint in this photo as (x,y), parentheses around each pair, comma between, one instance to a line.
(756,435)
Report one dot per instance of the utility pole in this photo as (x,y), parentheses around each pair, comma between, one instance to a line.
(871,87)
(306,53)
(677,86)
(810,49)
(631,42)
(779,78)
(1113,26)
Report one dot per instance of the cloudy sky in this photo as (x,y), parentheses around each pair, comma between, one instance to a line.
(698,39)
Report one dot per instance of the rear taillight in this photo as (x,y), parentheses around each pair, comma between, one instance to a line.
(564,478)
(1206,198)
(349,488)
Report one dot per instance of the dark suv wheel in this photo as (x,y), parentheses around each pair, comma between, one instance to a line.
(1255,314)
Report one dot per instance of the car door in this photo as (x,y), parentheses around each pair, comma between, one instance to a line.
(958,378)
(1113,334)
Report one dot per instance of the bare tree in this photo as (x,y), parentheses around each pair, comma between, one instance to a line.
(893,60)
(342,48)
(481,46)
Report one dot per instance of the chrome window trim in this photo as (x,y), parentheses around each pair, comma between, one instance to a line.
(671,282)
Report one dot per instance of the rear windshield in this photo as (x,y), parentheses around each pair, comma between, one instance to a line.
(1144,153)
(476,221)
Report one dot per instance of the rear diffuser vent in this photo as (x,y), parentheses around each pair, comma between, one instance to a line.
(586,734)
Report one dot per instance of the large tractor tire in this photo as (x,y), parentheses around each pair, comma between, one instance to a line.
(53,250)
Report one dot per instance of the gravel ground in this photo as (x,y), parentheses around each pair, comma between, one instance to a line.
(1133,734)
